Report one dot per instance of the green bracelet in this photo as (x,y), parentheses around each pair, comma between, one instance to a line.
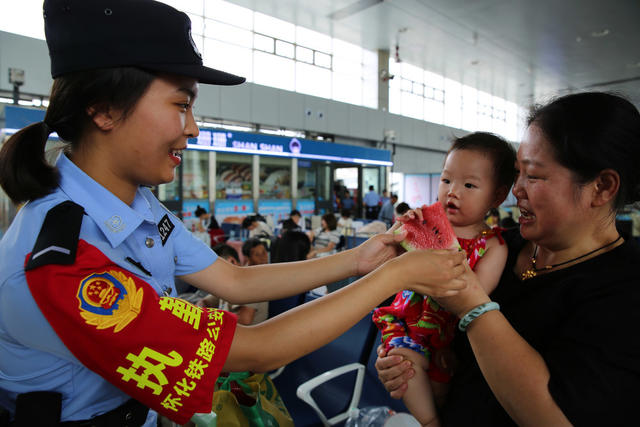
(476,312)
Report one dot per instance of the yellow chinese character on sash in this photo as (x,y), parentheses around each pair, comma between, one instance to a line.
(182,388)
(206,350)
(196,369)
(188,312)
(149,369)
(216,316)
(171,403)
(213,333)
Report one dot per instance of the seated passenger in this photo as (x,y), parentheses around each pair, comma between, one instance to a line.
(325,238)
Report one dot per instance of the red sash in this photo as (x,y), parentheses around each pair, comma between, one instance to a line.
(164,352)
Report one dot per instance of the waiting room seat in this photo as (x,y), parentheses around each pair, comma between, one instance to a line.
(304,392)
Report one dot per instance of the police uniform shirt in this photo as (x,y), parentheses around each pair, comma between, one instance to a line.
(157,246)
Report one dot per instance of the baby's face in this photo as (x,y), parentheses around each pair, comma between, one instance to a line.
(467,188)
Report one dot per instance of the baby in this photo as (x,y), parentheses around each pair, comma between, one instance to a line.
(477,174)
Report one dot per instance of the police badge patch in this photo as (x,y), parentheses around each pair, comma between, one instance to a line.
(109,299)
(165,227)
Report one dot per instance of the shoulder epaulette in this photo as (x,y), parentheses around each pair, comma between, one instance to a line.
(57,241)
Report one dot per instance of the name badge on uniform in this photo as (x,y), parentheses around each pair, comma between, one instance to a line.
(165,227)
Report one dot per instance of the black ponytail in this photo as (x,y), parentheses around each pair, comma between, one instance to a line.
(24,172)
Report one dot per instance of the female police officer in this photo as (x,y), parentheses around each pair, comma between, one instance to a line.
(87,267)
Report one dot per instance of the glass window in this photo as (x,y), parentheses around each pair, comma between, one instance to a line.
(229,13)
(313,80)
(350,51)
(347,88)
(263,43)
(275,178)
(303,54)
(229,58)
(433,111)
(228,33)
(284,49)
(412,72)
(306,179)
(412,106)
(234,176)
(274,71)
(395,97)
(434,80)
(452,103)
(370,92)
(469,108)
(313,39)
(407,85)
(322,59)
(195,176)
(275,27)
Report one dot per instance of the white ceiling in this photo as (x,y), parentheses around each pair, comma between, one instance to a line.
(522,50)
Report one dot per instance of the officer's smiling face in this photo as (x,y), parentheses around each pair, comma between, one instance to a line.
(150,142)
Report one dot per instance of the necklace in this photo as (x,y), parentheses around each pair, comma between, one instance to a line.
(533,271)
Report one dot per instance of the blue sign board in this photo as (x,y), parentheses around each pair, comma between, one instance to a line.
(280,209)
(273,145)
(240,208)
(306,206)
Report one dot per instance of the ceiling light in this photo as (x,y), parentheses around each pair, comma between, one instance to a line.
(601,33)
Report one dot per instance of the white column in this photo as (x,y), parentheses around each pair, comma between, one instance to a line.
(255,183)
(294,183)
(213,171)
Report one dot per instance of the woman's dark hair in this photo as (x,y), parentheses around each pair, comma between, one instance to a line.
(291,246)
(24,171)
(213,224)
(225,251)
(295,212)
(199,211)
(248,220)
(252,243)
(402,208)
(593,131)
(330,219)
(501,153)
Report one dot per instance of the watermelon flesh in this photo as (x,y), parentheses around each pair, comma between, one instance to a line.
(433,232)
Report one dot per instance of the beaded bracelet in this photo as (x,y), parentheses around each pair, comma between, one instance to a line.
(476,312)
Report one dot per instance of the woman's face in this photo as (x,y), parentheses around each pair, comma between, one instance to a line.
(149,142)
(552,205)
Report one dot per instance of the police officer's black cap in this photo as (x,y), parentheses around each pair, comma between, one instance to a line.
(90,34)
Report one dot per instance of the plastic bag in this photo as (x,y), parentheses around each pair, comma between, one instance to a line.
(372,416)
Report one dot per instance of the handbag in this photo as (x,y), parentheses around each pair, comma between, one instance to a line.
(242,399)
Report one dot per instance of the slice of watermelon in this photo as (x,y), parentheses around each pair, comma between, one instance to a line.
(433,232)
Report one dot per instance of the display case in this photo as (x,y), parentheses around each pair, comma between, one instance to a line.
(234,177)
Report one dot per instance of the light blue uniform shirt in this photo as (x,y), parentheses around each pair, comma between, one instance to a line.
(32,357)
(371,198)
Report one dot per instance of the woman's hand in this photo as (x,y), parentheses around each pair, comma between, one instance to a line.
(472,296)
(378,249)
(393,372)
